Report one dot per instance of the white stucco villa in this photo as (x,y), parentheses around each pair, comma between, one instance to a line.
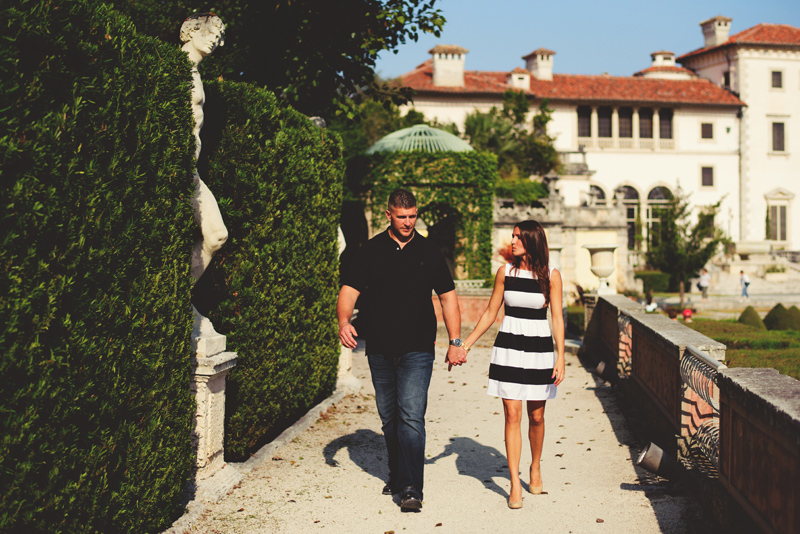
(724,126)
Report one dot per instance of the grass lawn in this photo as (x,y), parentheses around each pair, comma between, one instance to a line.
(750,347)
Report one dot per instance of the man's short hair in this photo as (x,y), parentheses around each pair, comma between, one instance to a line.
(196,21)
(402,198)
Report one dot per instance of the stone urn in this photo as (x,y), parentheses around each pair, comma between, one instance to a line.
(602,265)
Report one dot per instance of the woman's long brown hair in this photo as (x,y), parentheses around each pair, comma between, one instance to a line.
(537,254)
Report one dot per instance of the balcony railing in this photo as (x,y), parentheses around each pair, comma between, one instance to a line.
(605,142)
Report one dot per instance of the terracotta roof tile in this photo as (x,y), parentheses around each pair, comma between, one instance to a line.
(580,88)
(520,70)
(779,35)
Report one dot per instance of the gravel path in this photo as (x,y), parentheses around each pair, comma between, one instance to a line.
(329,478)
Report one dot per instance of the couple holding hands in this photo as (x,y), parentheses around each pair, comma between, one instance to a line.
(392,279)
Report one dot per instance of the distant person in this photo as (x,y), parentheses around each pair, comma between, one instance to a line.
(395,273)
(744,281)
(524,366)
(704,283)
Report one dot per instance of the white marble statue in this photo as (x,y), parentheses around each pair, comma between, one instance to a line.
(201,34)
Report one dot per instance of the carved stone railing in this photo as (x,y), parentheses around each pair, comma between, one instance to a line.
(700,372)
(746,421)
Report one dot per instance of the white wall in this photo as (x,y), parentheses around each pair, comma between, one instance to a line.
(763,170)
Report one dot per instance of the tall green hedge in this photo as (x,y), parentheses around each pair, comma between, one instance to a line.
(278,179)
(655,281)
(443,182)
(96,227)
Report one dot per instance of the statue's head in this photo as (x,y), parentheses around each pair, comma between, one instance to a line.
(205,30)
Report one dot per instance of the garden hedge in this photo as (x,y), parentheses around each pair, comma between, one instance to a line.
(654,281)
(455,185)
(272,288)
(96,151)
(794,317)
(751,317)
(778,318)
(575,320)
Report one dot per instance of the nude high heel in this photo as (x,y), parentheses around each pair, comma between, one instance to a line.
(536,490)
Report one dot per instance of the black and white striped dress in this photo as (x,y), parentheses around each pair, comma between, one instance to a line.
(523,356)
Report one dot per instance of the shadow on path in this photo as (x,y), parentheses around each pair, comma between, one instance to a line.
(477,461)
(366,449)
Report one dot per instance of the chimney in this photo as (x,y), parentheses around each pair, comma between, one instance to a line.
(663,58)
(540,64)
(716,30)
(519,78)
(448,65)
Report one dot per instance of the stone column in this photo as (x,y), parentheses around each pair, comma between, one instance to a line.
(594,124)
(208,434)
(635,120)
(615,125)
(656,129)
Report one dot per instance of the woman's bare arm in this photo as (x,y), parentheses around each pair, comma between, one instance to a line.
(489,315)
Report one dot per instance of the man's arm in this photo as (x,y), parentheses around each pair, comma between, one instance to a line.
(452,321)
(344,311)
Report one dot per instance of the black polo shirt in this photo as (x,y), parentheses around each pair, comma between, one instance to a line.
(396,313)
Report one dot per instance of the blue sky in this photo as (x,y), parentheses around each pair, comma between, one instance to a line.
(589,37)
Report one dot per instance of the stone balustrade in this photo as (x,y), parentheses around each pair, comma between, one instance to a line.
(760,445)
(759,409)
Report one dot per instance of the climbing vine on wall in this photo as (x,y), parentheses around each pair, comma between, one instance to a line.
(443,182)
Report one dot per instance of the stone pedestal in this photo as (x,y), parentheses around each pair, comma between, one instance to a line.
(208,387)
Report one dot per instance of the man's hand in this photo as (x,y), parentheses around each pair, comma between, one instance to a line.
(348,335)
(455,356)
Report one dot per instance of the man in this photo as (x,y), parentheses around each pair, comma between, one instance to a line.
(394,274)
(201,34)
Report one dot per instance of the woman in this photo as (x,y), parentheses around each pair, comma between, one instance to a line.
(524,366)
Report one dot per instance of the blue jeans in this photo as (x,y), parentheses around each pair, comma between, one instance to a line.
(401,394)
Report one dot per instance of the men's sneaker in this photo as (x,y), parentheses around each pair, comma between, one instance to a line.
(410,501)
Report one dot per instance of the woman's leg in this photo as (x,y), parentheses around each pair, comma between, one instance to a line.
(536,435)
(513,412)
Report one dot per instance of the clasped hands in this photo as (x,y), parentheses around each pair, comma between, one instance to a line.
(455,356)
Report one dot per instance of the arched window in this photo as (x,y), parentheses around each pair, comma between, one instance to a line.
(630,199)
(598,194)
(657,199)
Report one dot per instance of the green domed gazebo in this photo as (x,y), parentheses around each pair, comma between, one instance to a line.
(420,137)
(454,186)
